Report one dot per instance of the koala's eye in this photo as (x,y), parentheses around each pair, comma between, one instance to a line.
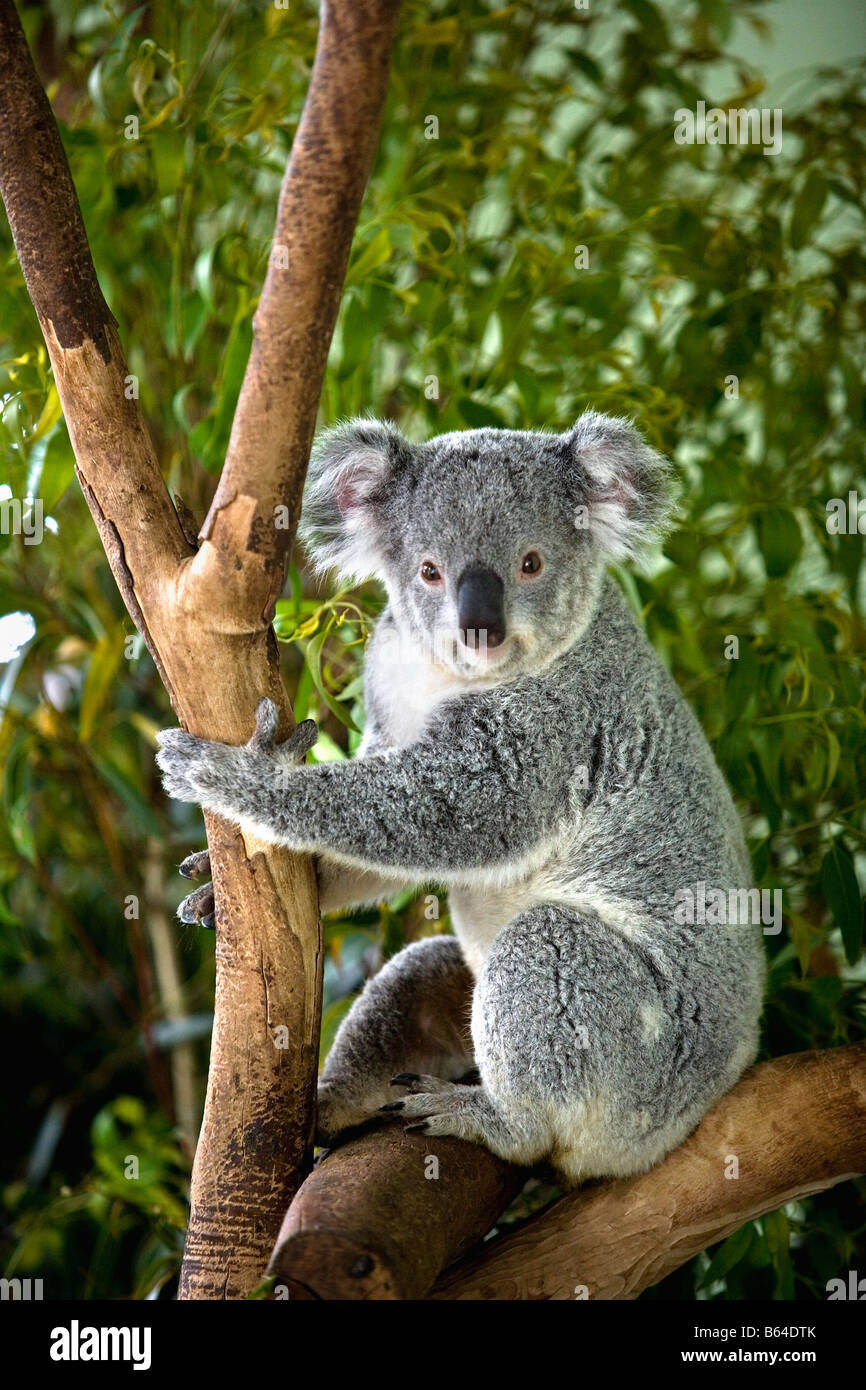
(531,565)
(430,573)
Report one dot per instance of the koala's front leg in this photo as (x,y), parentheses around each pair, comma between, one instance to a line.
(230,779)
(474,792)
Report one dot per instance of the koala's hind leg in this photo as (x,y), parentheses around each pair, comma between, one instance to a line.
(412,1017)
(591,1051)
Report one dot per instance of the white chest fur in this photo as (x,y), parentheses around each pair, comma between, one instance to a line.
(478,916)
(403,694)
(406,693)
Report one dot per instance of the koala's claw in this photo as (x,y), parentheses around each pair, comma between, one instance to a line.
(437,1107)
(199,907)
(296,746)
(427,1087)
(195,865)
(267,717)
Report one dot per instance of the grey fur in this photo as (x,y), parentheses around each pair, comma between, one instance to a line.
(560,786)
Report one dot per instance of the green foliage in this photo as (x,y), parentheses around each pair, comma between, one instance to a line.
(123,1222)
(464,306)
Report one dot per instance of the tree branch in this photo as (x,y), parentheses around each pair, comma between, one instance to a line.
(795,1126)
(130,505)
(331,159)
(375,1220)
(368,1224)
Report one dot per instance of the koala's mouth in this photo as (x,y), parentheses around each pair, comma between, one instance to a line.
(486,661)
(488,656)
(477,659)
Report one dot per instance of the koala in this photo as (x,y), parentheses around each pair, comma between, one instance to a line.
(524,747)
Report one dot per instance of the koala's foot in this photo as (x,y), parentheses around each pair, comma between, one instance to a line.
(195,865)
(409,1015)
(338,1112)
(198,907)
(446,1107)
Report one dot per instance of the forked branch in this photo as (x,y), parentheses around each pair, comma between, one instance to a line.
(205,614)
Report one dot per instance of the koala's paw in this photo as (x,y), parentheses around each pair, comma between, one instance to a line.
(225,777)
(199,907)
(195,865)
(438,1107)
(336,1112)
(193,767)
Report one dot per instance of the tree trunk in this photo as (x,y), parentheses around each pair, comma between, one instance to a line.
(205,614)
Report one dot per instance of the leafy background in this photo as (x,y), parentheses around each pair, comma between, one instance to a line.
(555,131)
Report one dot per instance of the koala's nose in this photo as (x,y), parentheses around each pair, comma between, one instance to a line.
(480,607)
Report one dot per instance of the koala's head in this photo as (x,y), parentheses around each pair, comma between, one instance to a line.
(490,543)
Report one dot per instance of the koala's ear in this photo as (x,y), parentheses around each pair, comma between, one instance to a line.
(342,518)
(628,490)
